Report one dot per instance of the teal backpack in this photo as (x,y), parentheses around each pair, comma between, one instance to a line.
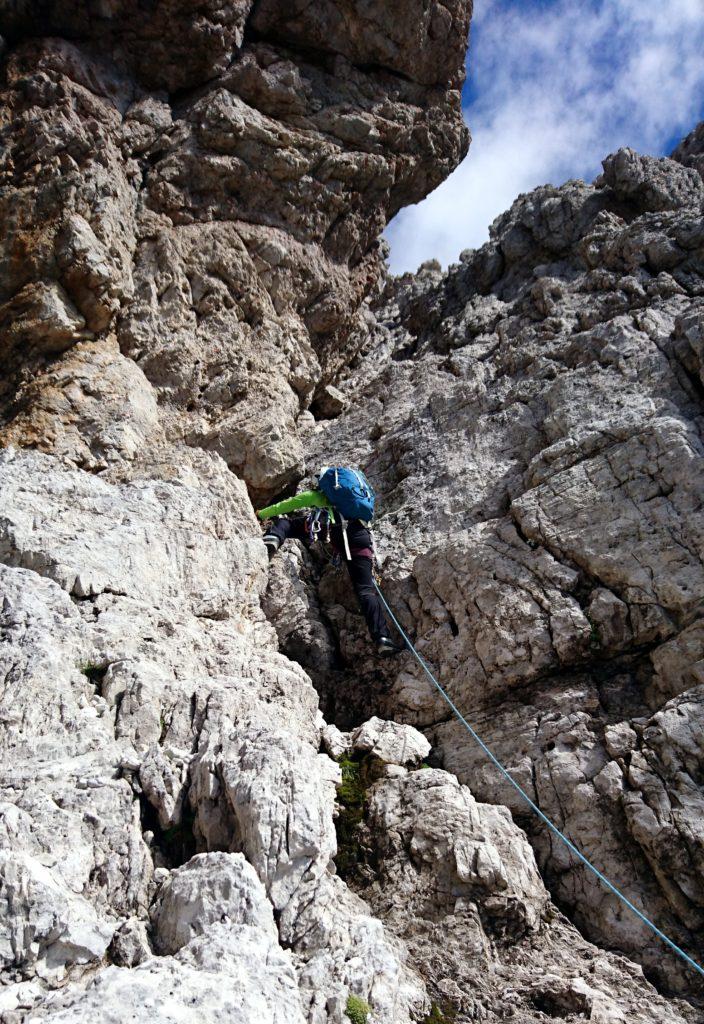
(349,492)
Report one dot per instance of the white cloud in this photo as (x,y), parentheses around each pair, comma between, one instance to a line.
(558,86)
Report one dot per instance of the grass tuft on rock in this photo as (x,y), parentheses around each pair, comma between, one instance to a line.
(357,1010)
(93,672)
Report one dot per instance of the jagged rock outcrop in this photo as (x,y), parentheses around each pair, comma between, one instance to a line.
(197,193)
(191,305)
(690,151)
(533,420)
(192,197)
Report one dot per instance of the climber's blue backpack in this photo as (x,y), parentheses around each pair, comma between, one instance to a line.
(348,491)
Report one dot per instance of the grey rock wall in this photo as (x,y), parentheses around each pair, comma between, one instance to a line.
(533,420)
(193,311)
(196,194)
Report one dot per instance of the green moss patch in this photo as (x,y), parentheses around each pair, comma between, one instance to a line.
(438,1015)
(352,796)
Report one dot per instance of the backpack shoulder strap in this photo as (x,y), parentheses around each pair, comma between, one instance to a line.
(345,539)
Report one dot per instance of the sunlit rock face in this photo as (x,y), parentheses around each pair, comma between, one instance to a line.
(193,310)
(199,190)
(533,420)
(192,197)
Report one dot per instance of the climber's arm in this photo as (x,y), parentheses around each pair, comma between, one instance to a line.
(306,499)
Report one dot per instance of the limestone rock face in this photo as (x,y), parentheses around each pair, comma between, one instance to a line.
(532,419)
(192,196)
(200,189)
(690,151)
(148,717)
(458,880)
(235,972)
(209,888)
(390,742)
(192,302)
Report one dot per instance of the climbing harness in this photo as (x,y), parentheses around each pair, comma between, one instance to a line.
(533,806)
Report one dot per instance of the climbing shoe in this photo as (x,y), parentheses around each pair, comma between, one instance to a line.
(273,543)
(386,647)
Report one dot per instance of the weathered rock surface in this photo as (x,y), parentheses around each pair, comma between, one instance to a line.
(192,198)
(690,151)
(149,717)
(206,184)
(190,298)
(459,882)
(388,742)
(234,972)
(544,397)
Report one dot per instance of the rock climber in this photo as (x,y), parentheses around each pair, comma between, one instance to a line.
(341,510)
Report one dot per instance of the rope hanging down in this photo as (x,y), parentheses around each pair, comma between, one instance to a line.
(534,807)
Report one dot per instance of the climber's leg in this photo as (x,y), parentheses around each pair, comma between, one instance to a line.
(360,569)
(280,529)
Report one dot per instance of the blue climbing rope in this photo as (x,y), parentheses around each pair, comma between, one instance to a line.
(533,806)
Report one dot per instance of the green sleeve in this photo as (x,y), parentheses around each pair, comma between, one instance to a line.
(306,499)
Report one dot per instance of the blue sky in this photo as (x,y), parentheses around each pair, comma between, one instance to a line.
(554,86)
